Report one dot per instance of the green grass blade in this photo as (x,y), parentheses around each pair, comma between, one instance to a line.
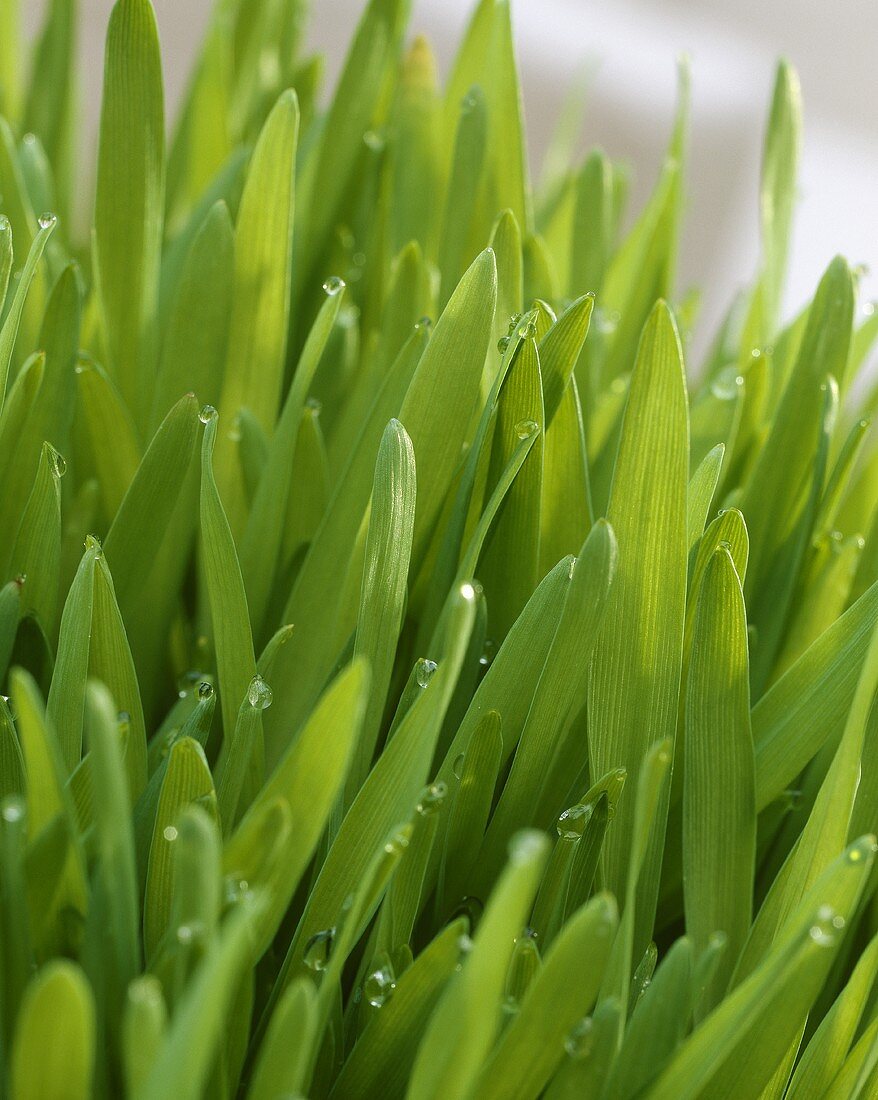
(810,702)
(533,1044)
(281,1071)
(64,707)
(184,1060)
(53,1054)
(129,203)
(262,543)
(648,513)
(236,663)
(384,592)
(825,1054)
(10,328)
(566,511)
(560,694)
(261,300)
(658,1024)
(187,781)
(110,661)
(380,1062)
(719,798)
(736,1049)
(114,845)
(308,780)
(463,1027)
(37,552)
(194,345)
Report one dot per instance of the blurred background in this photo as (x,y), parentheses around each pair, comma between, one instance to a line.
(630,48)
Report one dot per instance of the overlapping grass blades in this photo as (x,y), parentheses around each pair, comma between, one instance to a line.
(423,679)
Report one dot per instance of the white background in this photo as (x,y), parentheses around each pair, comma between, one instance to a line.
(733,45)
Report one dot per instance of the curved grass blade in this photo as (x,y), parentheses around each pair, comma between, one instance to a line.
(380,1063)
(37,551)
(533,1044)
(463,1028)
(53,1052)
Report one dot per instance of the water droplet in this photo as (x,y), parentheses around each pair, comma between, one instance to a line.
(823,930)
(170,833)
(205,691)
(188,934)
(57,461)
(21,580)
(571,824)
(373,140)
(727,385)
(511,1007)
(529,331)
(399,841)
(48,220)
(379,985)
(470,591)
(789,799)
(425,324)
(431,799)
(457,766)
(470,907)
(606,323)
(92,542)
(424,670)
(334,285)
(259,694)
(489,650)
(13,809)
(236,890)
(869,308)
(187,681)
(513,323)
(503,344)
(5,223)
(859,851)
(207,414)
(619,385)
(524,429)
(314,406)
(579,1039)
(318,949)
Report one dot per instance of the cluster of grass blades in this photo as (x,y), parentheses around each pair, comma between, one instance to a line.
(476,708)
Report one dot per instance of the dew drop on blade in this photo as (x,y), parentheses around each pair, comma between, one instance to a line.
(334,285)
(318,949)
(424,671)
(259,694)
